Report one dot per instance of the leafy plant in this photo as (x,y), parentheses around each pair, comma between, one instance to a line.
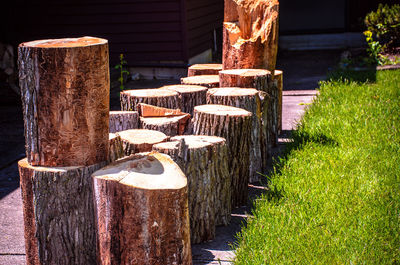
(123,71)
(375,50)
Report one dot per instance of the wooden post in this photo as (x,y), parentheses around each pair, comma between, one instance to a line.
(140,140)
(58,214)
(250,34)
(157,97)
(123,120)
(208,81)
(204,69)
(170,126)
(278,75)
(250,100)
(65,89)
(204,160)
(234,124)
(142,212)
(190,96)
(116,149)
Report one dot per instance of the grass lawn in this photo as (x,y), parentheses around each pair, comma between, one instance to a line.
(335,197)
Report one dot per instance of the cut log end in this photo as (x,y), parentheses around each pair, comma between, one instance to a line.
(157,97)
(232,92)
(204,69)
(65,43)
(222,110)
(170,125)
(185,89)
(140,140)
(209,81)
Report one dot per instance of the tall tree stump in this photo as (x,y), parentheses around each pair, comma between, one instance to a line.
(142,212)
(170,126)
(250,100)
(58,214)
(204,160)
(190,96)
(140,140)
(156,97)
(123,120)
(233,124)
(65,89)
(208,81)
(116,149)
(278,75)
(250,34)
(261,80)
(204,69)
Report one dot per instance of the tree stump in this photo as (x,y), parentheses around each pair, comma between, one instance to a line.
(234,124)
(250,100)
(142,212)
(278,75)
(208,81)
(140,140)
(65,89)
(204,69)
(58,214)
(170,126)
(123,120)
(261,80)
(204,160)
(250,34)
(146,110)
(190,96)
(156,97)
(116,149)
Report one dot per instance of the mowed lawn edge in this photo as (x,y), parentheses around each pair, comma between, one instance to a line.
(335,196)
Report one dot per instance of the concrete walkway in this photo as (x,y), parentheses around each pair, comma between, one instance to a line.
(302,71)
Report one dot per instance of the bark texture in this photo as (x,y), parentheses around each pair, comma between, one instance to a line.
(170,126)
(208,81)
(156,97)
(190,96)
(140,140)
(123,120)
(278,75)
(204,69)
(250,100)
(204,160)
(116,149)
(58,214)
(142,212)
(233,124)
(250,34)
(65,91)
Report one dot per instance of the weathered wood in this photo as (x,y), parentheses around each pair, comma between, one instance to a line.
(116,149)
(250,34)
(278,75)
(250,100)
(208,81)
(233,124)
(142,212)
(65,96)
(204,69)
(140,140)
(170,126)
(58,214)
(190,96)
(146,110)
(204,160)
(123,120)
(156,97)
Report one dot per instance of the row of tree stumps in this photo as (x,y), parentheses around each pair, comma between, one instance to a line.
(138,186)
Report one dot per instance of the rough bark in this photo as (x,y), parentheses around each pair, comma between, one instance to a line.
(190,96)
(208,81)
(58,214)
(204,160)
(65,96)
(140,140)
(234,124)
(204,69)
(156,97)
(250,34)
(123,120)
(146,110)
(170,126)
(250,100)
(278,75)
(116,148)
(142,212)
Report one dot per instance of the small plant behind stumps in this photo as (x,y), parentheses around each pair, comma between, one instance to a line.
(123,71)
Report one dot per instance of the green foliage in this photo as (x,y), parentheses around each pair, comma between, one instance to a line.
(334,198)
(123,71)
(375,50)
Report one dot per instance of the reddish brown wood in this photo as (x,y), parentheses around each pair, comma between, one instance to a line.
(208,81)
(156,97)
(116,149)
(204,69)
(146,110)
(65,95)
(140,140)
(170,125)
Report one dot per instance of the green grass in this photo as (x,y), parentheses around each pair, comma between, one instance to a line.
(335,197)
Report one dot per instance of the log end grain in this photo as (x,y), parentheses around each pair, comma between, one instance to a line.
(140,140)
(222,110)
(204,69)
(65,43)
(157,97)
(209,81)
(185,89)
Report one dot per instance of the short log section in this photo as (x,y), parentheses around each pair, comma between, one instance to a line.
(209,81)
(142,212)
(190,96)
(123,120)
(58,214)
(204,160)
(140,140)
(233,124)
(278,76)
(250,100)
(170,126)
(204,69)
(65,89)
(156,97)
(116,149)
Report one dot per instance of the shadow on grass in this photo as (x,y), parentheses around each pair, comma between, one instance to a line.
(364,75)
